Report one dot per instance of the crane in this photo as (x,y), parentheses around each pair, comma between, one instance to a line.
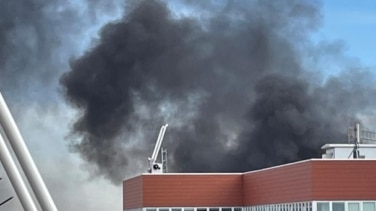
(155,167)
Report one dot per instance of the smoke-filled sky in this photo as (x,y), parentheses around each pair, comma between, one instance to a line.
(242,84)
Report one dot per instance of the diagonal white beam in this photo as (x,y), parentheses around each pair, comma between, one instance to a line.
(23,155)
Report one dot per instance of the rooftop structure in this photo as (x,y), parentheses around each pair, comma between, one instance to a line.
(345,151)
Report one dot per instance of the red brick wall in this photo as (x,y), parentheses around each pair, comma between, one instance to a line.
(290,183)
(132,193)
(344,180)
(303,181)
(312,180)
(192,190)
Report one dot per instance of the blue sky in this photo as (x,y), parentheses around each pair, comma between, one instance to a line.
(349,22)
(353,22)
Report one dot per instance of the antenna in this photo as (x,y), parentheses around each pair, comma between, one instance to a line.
(355,152)
(356,134)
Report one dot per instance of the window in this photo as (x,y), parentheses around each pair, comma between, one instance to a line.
(163,209)
(323,206)
(226,209)
(237,209)
(213,209)
(368,206)
(338,206)
(201,209)
(176,209)
(303,207)
(353,206)
(151,209)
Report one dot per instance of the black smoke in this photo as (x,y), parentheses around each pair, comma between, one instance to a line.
(29,42)
(233,80)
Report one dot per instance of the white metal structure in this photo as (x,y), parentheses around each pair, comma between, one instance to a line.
(344,151)
(26,161)
(356,134)
(15,177)
(155,167)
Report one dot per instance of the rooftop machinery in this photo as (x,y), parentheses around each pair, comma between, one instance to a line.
(27,165)
(155,167)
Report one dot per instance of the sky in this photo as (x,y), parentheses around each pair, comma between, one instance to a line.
(45,119)
(352,23)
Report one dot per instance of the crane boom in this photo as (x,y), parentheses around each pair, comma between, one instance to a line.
(159,143)
(153,166)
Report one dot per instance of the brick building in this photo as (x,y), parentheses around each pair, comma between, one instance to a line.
(309,185)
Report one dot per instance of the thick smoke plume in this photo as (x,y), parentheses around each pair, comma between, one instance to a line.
(234,81)
(36,40)
(30,43)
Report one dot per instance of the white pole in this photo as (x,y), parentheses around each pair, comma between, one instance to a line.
(358,133)
(159,143)
(15,177)
(155,151)
(24,157)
